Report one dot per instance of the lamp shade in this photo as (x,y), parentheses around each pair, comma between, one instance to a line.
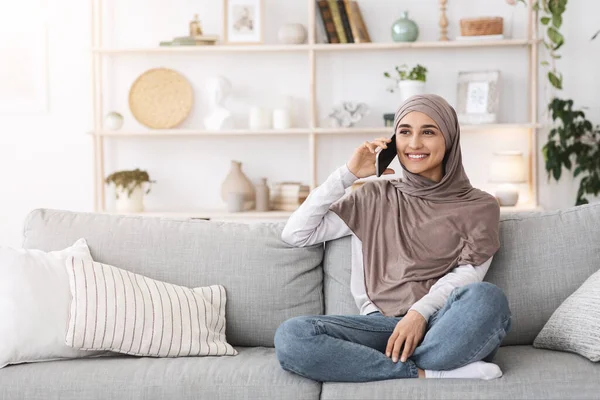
(508,167)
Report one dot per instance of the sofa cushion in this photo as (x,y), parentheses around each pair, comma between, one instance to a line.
(543,258)
(266,280)
(528,373)
(254,373)
(575,325)
(116,310)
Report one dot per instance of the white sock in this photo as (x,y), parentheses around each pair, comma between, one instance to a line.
(476,370)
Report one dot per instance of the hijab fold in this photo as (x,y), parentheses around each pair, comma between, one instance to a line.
(414,230)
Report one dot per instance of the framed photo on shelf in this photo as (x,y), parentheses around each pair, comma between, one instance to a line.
(243,21)
(478,97)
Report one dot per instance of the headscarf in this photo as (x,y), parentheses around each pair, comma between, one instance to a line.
(415,230)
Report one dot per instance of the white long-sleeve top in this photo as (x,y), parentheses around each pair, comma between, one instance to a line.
(314,223)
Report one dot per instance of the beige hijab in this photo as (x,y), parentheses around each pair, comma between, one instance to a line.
(414,230)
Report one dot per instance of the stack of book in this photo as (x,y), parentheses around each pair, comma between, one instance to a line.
(340,21)
(288,196)
(191,41)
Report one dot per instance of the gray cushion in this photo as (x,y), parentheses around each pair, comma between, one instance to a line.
(544,257)
(254,373)
(266,280)
(528,373)
(575,325)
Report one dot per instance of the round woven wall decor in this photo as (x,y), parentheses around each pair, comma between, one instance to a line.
(160,98)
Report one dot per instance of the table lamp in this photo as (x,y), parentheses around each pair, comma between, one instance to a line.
(507,169)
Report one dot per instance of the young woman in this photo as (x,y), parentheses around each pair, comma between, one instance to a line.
(421,247)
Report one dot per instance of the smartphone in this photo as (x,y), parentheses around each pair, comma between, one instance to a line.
(386,156)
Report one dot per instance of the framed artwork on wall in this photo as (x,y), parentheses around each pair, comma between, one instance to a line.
(243,21)
(478,97)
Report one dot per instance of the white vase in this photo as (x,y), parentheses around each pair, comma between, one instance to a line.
(113,121)
(133,203)
(292,34)
(410,88)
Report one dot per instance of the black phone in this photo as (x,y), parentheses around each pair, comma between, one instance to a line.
(386,156)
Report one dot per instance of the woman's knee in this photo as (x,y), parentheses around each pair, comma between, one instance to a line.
(289,335)
(487,296)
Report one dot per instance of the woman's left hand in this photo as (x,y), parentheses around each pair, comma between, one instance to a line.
(408,331)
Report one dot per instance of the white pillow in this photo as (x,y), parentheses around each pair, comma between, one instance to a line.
(34,304)
(575,325)
(118,310)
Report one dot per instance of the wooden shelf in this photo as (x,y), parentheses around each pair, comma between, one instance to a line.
(321,47)
(209,214)
(527,48)
(293,131)
(192,132)
(422,45)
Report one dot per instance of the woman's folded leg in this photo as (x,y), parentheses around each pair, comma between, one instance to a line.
(469,328)
(348,348)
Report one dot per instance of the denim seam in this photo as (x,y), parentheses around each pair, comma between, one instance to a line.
(353,327)
(472,355)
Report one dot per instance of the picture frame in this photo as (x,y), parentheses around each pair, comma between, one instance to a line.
(478,97)
(243,22)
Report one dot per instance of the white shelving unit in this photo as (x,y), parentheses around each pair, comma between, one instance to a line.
(311,49)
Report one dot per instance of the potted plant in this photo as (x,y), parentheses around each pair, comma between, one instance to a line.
(409,81)
(130,189)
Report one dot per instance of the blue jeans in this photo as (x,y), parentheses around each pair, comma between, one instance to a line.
(351,348)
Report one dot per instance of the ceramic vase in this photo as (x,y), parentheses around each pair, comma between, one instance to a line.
(126,203)
(405,29)
(237,182)
(113,121)
(292,34)
(263,196)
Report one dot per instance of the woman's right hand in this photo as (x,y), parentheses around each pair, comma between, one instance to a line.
(362,163)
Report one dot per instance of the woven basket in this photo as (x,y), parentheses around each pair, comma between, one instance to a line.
(481,26)
(160,98)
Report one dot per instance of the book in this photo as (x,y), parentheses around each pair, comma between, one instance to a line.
(325,11)
(337,20)
(357,22)
(321,31)
(345,21)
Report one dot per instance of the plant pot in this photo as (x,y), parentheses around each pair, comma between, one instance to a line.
(130,203)
(410,88)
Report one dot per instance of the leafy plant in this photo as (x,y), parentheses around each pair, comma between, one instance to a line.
(129,180)
(574,136)
(404,73)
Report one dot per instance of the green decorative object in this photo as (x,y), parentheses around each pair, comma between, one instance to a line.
(405,29)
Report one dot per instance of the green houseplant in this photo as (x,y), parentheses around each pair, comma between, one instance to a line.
(129,189)
(573,141)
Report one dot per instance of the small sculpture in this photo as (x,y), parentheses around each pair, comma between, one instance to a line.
(347,114)
(195,28)
(220,118)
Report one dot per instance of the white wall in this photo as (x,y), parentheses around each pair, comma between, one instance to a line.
(47,160)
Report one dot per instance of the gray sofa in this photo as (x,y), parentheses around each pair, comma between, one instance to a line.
(544,257)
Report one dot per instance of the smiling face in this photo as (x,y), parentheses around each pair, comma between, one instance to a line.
(421,146)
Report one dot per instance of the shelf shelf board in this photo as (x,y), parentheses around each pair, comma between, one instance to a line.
(206,49)
(291,131)
(321,47)
(192,132)
(208,213)
(421,45)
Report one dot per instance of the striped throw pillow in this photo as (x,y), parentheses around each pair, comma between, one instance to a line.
(117,310)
